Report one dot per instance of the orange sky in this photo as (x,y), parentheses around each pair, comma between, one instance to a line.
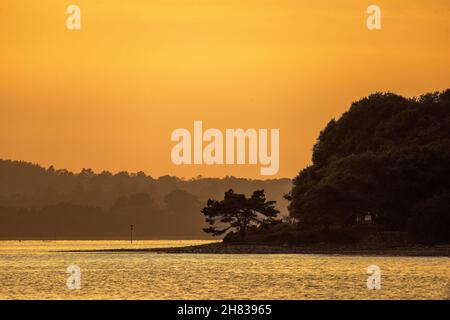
(108,96)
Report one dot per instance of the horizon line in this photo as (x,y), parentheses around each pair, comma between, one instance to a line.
(131,173)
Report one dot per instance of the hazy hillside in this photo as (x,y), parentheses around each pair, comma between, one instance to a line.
(37,202)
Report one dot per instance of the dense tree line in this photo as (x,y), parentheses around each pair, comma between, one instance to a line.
(77,221)
(44,203)
(387,161)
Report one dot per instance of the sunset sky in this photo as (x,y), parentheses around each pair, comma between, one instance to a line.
(108,96)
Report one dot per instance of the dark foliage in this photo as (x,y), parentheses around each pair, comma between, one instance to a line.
(237,212)
(387,158)
(430,220)
(46,203)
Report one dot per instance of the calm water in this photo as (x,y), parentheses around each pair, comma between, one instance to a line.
(30,270)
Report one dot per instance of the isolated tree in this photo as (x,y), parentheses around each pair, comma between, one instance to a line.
(237,212)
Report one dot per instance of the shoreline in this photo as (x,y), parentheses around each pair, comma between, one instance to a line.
(325,249)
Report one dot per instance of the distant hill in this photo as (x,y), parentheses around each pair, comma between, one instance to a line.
(47,203)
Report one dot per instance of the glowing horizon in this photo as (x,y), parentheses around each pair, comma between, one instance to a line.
(107,97)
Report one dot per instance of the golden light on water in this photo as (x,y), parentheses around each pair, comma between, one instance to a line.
(31,269)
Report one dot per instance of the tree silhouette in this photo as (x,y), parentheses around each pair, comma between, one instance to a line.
(387,157)
(236,212)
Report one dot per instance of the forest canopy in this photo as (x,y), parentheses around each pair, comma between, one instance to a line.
(386,160)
